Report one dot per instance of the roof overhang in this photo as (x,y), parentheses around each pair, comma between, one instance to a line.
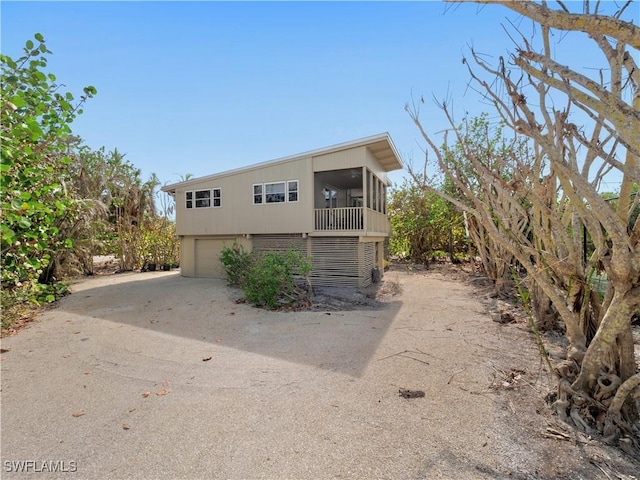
(381,147)
(385,153)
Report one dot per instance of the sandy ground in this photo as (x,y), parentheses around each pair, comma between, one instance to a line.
(151,375)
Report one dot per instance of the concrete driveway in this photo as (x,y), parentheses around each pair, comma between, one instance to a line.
(152,375)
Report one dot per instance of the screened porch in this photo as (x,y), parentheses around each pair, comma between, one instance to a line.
(350,200)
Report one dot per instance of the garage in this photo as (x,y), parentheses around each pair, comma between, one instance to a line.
(207,257)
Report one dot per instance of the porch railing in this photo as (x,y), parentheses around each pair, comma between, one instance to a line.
(377,222)
(346,218)
(350,218)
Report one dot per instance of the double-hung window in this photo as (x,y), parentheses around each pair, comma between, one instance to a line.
(292,189)
(257,194)
(217,197)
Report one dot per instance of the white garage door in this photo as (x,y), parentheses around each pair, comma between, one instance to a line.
(207,261)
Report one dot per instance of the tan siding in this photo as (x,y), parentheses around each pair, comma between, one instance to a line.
(373,165)
(238,215)
(368,262)
(187,257)
(200,257)
(351,158)
(335,261)
(279,243)
(207,258)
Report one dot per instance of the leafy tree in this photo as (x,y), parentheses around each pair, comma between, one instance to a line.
(126,222)
(466,184)
(35,201)
(424,225)
(156,242)
(62,203)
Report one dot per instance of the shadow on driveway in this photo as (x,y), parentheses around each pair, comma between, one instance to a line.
(152,306)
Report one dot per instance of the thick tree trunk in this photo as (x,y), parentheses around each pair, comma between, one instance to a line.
(620,423)
(614,327)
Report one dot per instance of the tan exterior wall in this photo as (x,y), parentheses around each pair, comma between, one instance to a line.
(337,261)
(200,256)
(280,243)
(351,158)
(367,262)
(238,215)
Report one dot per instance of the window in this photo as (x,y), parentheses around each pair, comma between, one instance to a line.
(257,194)
(203,198)
(274,192)
(292,187)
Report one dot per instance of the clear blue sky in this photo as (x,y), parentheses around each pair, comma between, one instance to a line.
(202,87)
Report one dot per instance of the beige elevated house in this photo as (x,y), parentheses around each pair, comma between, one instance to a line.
(328,203)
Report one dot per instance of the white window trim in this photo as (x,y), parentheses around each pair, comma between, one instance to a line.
(253,194)
(195,197)
(194,200)
(213,197)
(284,193)
(297,190)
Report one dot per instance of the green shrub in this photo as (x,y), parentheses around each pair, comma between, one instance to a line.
(23,300)
(236,262)
(268,280)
